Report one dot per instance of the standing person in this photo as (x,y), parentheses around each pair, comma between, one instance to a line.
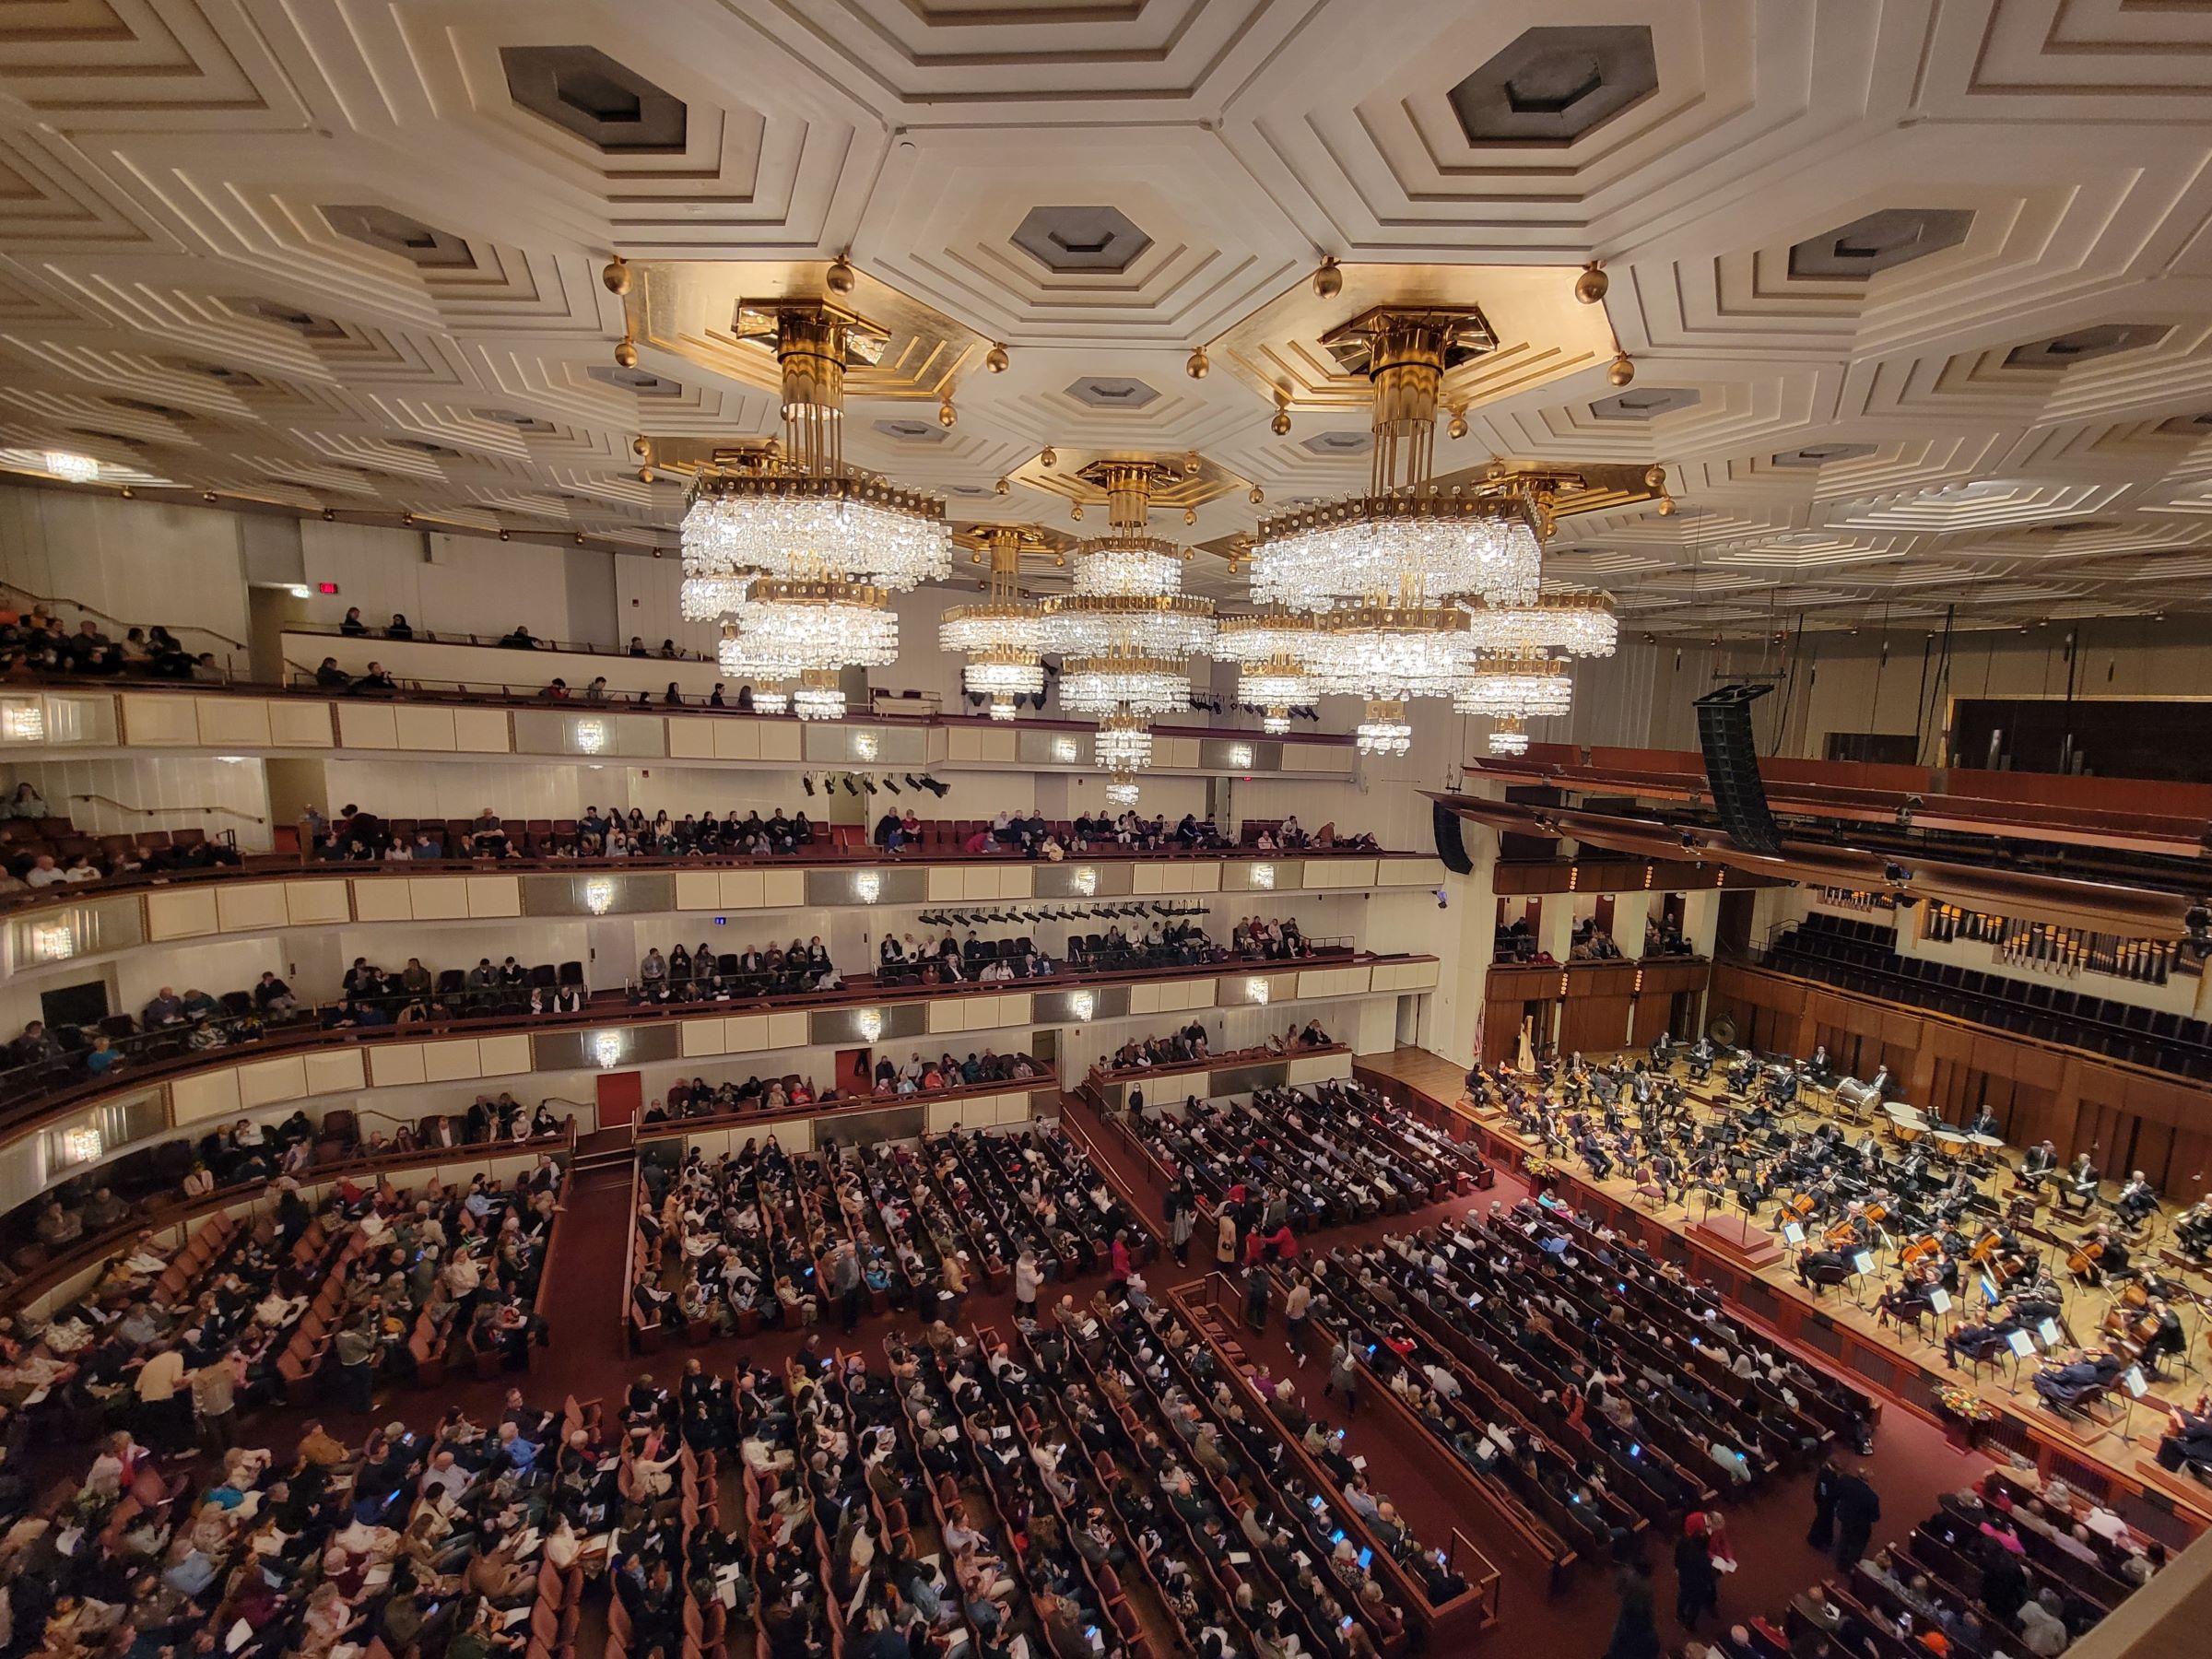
(1255,1297)
(1635,1634)
(356,1347)
(1344,1375)
(1225,1239)
(215,1394)
(1119,1266)
(1294,1314)
(1181,1208)
(1696,1580)
(1027,1277)
(1823,1533)
(1858,1509)
(845,1279)
(164,1410)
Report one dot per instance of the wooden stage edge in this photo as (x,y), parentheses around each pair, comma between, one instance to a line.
(2121,1471)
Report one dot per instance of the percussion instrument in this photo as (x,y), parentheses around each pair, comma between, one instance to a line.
(1988,1143)
(1850,1092)
(1950,1141)
(1907,1129)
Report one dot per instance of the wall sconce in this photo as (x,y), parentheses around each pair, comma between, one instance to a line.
(1086,881)
(607,1048)
(23,722)
(591,737)
(599,895)
(84,1145)
(52,942)
(868,886)
(1256,989)
(1240,756)
(1066,750)
(864,747)
(1263,877)
(869,1022)
(1083,1005)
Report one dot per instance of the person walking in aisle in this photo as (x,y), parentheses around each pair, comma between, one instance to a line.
(1823,1533)
(1181,1211)
(1858,1509)
(1696,1580)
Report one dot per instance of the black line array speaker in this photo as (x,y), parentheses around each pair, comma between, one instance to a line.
(1732,767)
(1449,846)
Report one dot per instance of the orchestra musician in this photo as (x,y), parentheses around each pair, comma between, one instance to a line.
(2081,1182)
(2188,1440)
(1979,1341)
(2193,1229)
(2097,1257)
(2038,1164)
(1822,1267)
(2166,1337)
(1909,1301)
(1985,1122)
(2136,1200)
(1818,1068)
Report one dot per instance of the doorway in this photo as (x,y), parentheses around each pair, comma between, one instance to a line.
(620,1095)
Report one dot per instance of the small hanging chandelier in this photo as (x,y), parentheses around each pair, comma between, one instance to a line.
(1560,621)
(1003,636)
(1509,736)
(1525,687)
(1270,649)
(1383,728)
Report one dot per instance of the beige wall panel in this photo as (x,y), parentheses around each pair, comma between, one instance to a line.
(978,883)
(451,1061)
(743,889)
(503,1056)
(423,728)
(151,720)
(297,723)
(367,726)
(383,900)
(702,1037)
(1143,999)
(264,1082)
(691,739)
(206,1095)
(942,1115)
(698,890)
(438,898)
(779,740)
(317,903)
(945,882)
(181,914)
(395,1065)
(1323,873)
(495,896)
(232,721)
(252,907)
(745,1033)
(787,1029)
(737,739)
(335,1071)
(482,732)
(1178,752)
(783,889)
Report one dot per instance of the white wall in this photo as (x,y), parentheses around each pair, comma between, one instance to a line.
(447,584)
(183,792)
(139,561)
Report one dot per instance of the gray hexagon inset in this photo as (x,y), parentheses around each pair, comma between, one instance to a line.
(1820,455)
(912,430)
(2080,345)
(1644,403)
(391,232)
(1553,85)
(635,380)
(1112,392)
(608,105)
(1879,242)
(1067,240)
(1340,443)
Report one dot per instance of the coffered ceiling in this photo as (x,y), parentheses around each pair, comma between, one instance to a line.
(1918,292)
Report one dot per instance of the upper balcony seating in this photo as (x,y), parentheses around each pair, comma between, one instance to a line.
(1860,956)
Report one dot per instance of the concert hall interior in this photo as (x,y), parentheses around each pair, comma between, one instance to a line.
(1105,829)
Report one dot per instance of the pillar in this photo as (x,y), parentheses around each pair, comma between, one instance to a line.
(1630,911)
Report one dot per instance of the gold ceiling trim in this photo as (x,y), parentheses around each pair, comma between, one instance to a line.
(697,310)
(1073,474)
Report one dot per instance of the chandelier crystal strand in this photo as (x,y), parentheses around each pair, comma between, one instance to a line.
(1509,736)
(1568,621)
(1124,682)
(1121,789)
(1383,728)
(1123,743)
(1527,688)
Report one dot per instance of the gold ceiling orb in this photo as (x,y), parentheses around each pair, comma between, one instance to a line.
(1197,364)
(1257,495)
(841,275)
(1002,486)
(1458,428)
(1666,506)
(616,275)
(1590,286)
(1191,464)
(1190,515)
(505,534)
(1620,371)
(1328,280)
(994,360)
(127,492)
(646,474)
(1280,425)
(1077,512)
(1047,458)
(626,353)
(641,447)
(947,414)
(1656,477)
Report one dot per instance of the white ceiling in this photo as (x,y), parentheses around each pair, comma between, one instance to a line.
(207,208)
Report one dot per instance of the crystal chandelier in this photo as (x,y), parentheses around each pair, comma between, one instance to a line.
(1121,790)
(1383,729)
(1270,650)
(789,537)
(1124,682)
(1392,652)
(1123,743)
(1003,636)
(1509,736)
(1568,621)
(1526,688)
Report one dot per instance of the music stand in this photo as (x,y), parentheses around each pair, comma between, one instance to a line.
(2020,1345)
(1862,1266)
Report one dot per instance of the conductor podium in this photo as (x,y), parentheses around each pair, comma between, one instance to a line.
(1736,1238)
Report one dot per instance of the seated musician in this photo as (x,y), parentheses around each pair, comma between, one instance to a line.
(2165,1337)
(2136,1200)
(1980,1341)
(2082,1182)
(2064,1386)
(1907,1300)
(2038,1163)
(2188,1440)
(2100,1258)
(1820,1068)
(2193,1229)
(1985,1122)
